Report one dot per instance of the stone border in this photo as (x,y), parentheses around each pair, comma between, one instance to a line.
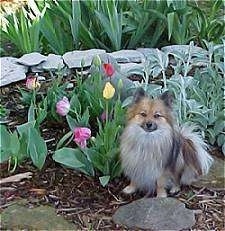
(128,61)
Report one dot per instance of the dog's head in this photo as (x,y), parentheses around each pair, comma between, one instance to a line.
(151,114)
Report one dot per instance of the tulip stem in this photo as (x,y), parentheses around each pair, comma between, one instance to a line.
(107,111)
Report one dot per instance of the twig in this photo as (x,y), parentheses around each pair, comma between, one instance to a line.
(16,178)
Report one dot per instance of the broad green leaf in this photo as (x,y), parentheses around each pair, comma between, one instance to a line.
(14,143)
(68,157)
(36,148)
(24,128)
(4,144)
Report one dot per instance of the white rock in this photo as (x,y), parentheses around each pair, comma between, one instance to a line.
(11,71)
(53,62)
(32,59)
(73,59)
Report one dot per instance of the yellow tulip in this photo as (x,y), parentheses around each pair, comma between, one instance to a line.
(108,91)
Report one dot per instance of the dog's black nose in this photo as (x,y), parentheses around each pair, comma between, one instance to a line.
(151,126)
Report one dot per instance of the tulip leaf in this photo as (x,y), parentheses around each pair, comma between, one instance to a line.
(36,148)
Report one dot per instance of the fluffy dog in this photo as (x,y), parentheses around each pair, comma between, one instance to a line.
(154,150)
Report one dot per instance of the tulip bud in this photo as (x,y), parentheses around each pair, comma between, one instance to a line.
(108,91)
(96,61)
(109,69)
(32,83)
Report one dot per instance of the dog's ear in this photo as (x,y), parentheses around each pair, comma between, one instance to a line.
(167,97)
(138,95)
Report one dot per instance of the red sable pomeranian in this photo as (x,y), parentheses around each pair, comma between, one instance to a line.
(155,151)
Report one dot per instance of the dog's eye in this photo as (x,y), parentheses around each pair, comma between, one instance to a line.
(157,115)
(143,114)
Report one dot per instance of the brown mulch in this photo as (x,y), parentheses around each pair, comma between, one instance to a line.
(82,199)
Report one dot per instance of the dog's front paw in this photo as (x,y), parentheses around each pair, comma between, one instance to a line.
(129,189)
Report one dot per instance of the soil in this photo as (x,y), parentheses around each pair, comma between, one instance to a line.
(81,199)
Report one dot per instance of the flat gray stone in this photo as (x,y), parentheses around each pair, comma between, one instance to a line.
(32,59)
(127,56)
(53,62)
(11,71)
(73,59)
(155,214)
(20,217)
(215,179)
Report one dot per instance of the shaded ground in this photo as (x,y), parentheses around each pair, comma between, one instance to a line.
(81,199)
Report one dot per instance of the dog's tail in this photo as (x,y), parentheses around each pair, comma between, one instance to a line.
(194,151)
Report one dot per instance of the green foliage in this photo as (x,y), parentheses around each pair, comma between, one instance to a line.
(23,143)
(23,29)
(197,83)
(60,26)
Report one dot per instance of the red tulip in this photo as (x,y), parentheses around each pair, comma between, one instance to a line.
(109,69)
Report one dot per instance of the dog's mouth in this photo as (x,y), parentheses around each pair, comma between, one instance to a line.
(149,126)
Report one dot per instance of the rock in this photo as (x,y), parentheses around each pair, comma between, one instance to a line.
(11,71)
(215,179)
(73,59)
(126,56)
(41,78)
(155,214)
(32,59)
(53,62)
(20,217)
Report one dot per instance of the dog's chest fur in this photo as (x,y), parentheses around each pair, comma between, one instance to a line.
(145,155)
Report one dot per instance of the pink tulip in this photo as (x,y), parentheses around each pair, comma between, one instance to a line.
(81,135)
(109,69)
(32,83)
(63,106)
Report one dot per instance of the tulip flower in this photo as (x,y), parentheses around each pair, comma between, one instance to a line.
(32,83)
(63,106)
(109,69)
(108,91)
(81,135)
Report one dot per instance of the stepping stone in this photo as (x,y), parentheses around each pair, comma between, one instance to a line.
(32,59)
(73,59)
(155,214)
(128,56)
(215,179)
(11,71)
(20,217)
